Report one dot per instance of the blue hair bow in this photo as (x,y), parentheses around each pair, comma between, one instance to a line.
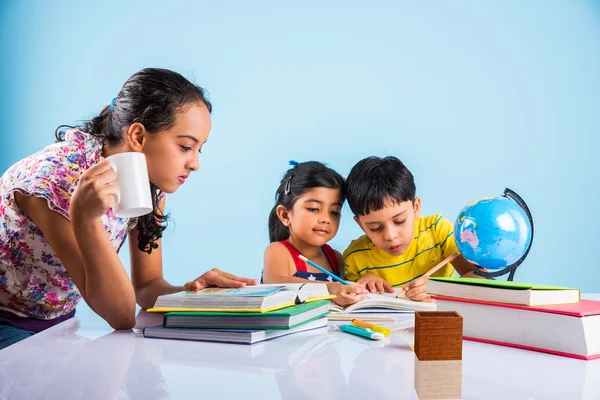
(112,104)
(294,163)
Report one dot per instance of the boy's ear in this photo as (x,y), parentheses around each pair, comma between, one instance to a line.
(284,215)
(417,207)
(359,224)
(136,136)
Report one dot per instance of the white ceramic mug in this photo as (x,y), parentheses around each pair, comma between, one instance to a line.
(133,185)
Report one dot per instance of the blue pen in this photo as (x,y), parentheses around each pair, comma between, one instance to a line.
(317,266)
(355,330)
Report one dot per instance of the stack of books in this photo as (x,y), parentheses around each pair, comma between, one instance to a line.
(246,315)
(543,318)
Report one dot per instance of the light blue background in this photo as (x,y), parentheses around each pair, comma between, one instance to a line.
(473,96)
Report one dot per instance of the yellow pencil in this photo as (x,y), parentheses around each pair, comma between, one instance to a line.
(436,268)
(445,261)
(375,328)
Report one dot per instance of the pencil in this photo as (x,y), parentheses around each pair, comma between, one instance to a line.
(375,328)
(436,268)
(445,261)
(317,266)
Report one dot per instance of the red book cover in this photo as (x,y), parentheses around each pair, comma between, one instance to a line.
(519,346)
(583,308)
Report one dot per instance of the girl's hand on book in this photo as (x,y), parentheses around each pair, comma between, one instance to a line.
(375,284)
(216,277)
(417,290)
(346,295)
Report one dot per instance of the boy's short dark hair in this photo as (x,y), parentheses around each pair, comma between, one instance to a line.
(374,181)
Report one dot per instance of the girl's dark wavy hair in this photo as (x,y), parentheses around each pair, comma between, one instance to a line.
(298,180)
(152,97)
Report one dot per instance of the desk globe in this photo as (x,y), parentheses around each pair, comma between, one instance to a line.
(495,234)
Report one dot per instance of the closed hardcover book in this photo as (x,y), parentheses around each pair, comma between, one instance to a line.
(250,299)
(238,336)
(502,291)
(285,318)
(571,330)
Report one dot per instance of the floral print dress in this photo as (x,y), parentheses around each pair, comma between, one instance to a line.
(33,282)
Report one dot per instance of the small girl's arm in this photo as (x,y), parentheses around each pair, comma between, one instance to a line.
(277,268)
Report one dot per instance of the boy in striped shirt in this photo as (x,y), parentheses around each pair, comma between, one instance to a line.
(399,245)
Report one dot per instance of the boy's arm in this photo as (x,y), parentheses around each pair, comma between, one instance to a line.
(464,267)
(444,232)
(370,281)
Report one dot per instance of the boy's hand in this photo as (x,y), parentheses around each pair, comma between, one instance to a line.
(417,290)
(471,274)
(346,295)
(375,284)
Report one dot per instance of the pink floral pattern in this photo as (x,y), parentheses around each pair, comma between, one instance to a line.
(33,282)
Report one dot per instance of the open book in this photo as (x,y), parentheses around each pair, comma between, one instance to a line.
(383,303)
(257,298)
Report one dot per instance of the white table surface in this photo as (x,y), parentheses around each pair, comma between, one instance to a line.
(83,358)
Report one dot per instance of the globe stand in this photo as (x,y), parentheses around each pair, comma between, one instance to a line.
(511,269)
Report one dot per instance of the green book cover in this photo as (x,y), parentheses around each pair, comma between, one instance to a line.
(283,318)
(282,312)
(500,284)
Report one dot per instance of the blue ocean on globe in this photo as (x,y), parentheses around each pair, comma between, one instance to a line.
(493,232)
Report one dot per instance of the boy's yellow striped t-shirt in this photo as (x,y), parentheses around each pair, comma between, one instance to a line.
(433,241)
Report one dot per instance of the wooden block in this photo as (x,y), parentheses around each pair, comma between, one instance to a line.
(438,335)
(438,379)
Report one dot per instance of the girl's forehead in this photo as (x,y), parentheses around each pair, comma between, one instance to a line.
(321,194)
(193,120)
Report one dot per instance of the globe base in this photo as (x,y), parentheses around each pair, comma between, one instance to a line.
(494,274)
